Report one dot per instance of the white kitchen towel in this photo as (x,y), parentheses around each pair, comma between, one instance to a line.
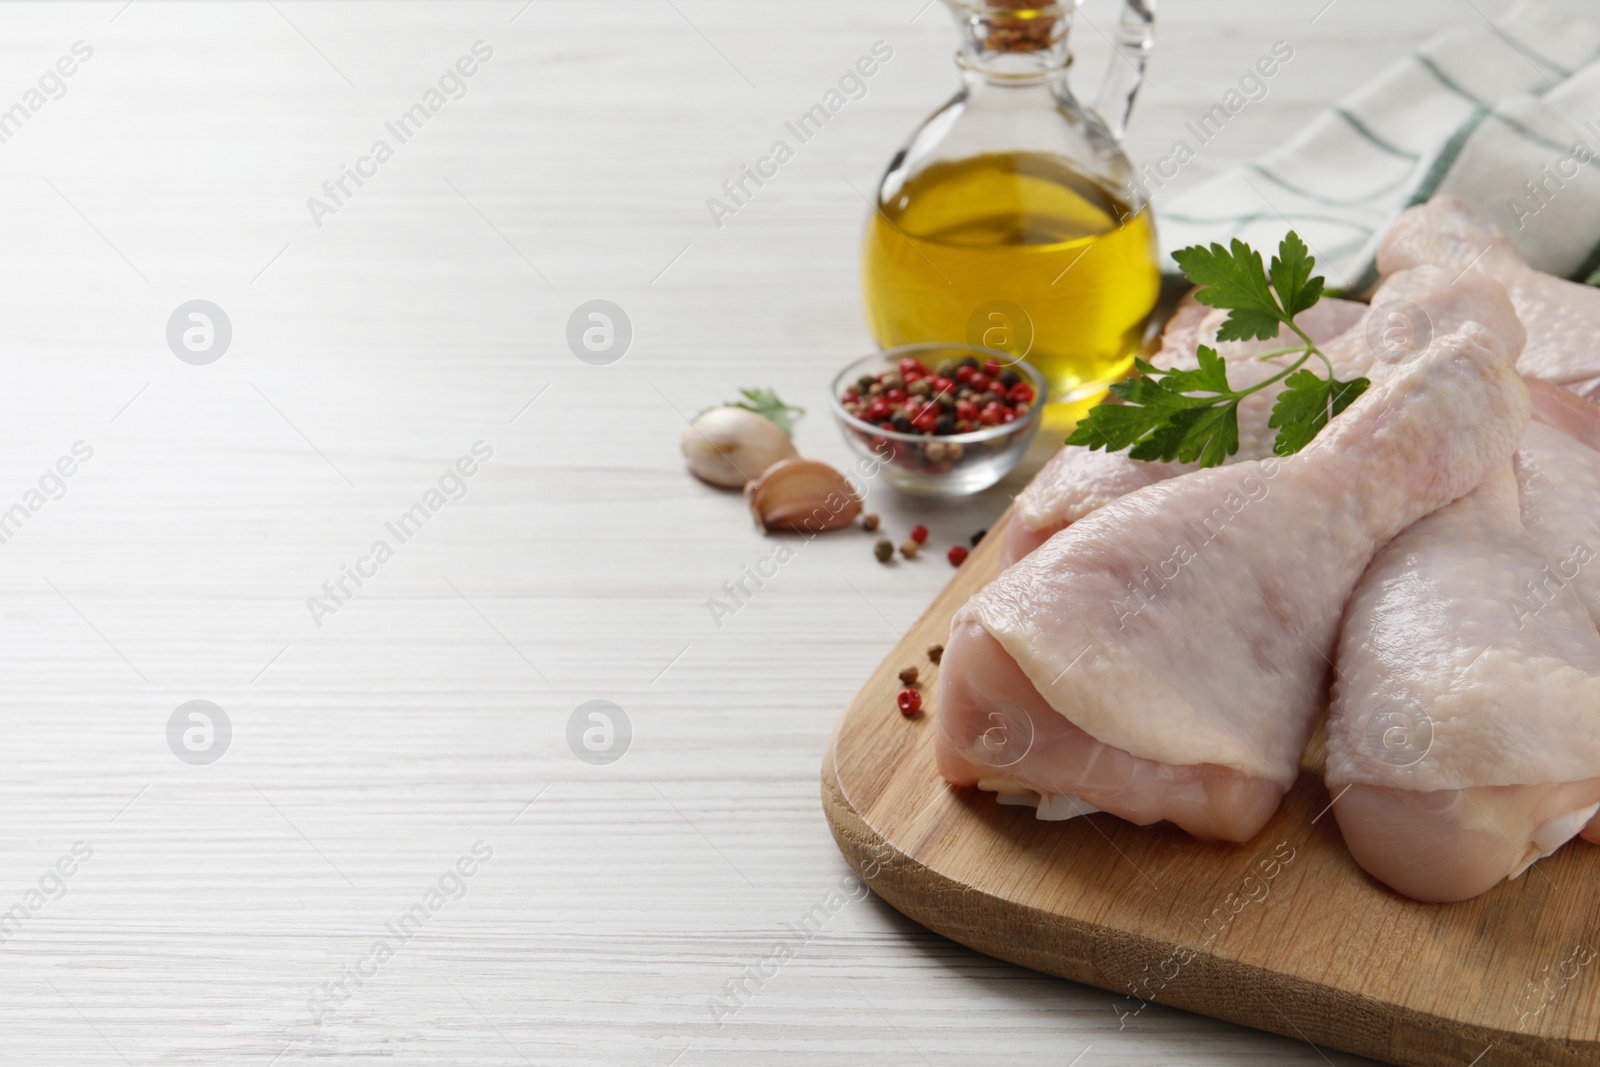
(1503,114)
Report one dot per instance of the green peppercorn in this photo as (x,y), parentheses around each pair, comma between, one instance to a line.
(884,550)
(919,388)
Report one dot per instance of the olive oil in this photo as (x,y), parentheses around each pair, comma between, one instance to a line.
(1015,251)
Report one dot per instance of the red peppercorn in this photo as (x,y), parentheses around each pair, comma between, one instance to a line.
(941,385)
(966,409)
(1008,416)
(957,555)
(908,364)
(992,414)
(919,534)
(910,701)
(910,376)
(964,374)
(963,426)
(980,383)
(992,368)
(894,396)
(927,422)
(878,409)
(1021,393)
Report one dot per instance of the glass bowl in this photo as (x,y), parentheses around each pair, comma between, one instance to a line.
(945,464)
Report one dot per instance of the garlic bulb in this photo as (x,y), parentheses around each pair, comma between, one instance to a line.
(805,495)
(731,446)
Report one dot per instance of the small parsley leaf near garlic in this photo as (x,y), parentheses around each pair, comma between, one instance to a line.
(1194,414)
(765,402)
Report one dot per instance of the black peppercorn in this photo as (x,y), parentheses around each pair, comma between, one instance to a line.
(901,424)
(946,424)
(968,361)
(1009,377)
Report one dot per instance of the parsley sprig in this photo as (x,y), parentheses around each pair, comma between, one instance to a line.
(765,402)
(1193,415)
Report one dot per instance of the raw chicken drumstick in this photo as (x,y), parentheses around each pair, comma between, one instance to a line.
(1077,480)
(1164,658)
(1558,471)
(1461,739)
(1562,318)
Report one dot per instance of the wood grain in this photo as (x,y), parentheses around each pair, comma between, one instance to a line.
(1284,933)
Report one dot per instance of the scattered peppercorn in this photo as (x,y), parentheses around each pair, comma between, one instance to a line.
(975,537)
(919,534)
(908,549)
(910,702)
(884,550)
(908,676)
(935,653)
(957,555)
(869,523)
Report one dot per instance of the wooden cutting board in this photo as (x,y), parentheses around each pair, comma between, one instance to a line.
(1284,933)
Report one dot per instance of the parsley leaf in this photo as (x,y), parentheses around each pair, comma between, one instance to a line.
(1234,279)
(1305,406)
(1193,414)
(1164,422)
(1291,276)
(1211,377)
(765,402)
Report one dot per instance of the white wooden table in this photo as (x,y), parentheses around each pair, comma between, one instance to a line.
(429,712)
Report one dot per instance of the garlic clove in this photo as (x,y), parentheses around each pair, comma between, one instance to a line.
(805,495)
(730,446)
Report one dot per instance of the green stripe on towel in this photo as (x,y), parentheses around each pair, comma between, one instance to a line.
(1447,157)
(1362,201)
(1372,138)
(1444,79)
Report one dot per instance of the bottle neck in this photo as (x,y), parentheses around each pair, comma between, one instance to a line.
(1014,42)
